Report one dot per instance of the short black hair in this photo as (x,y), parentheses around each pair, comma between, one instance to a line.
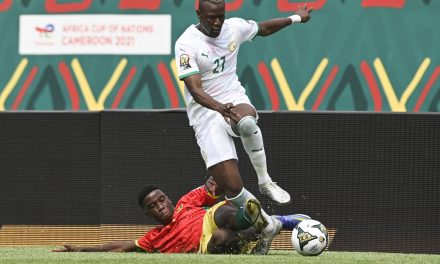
(144,192)
(211,1)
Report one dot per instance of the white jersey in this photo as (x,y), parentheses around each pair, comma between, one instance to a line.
(215,59)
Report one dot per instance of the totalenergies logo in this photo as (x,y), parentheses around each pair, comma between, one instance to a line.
(46,31)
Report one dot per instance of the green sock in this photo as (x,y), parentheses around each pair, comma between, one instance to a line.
(242,222)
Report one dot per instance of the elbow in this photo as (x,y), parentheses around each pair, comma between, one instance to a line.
(264,32)
(197,97)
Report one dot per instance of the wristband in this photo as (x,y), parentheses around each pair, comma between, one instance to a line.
(295,19)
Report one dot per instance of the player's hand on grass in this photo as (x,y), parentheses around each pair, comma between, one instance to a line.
(66,248)
(304,13)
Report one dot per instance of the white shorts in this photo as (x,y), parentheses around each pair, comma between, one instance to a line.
(215,136)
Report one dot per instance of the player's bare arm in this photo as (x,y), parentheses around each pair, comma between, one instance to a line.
(272,26)
(194,85)
(115,246)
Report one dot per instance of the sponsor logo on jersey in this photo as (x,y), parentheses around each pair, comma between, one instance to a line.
(184,62)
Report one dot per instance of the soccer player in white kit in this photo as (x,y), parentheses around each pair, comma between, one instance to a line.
(217,105)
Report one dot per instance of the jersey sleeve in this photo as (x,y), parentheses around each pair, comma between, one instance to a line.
(144,242)
(247,29)
(185,59)
(198,197)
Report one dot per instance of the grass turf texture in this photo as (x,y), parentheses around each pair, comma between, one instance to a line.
(43,255)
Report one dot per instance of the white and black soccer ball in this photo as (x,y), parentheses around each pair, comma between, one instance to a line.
(309,237)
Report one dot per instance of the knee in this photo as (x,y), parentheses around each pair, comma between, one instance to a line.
(222,236)
(247,126)
(227,176)
(234,191)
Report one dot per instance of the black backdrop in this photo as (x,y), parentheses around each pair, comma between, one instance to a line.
(374,177)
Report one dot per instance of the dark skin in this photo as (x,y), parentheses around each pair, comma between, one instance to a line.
(211,17)
(226,240)
(159,207)
(156,205)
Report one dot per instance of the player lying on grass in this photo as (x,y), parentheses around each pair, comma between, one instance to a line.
(197,224)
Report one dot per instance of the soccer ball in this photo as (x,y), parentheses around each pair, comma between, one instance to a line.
(309,237)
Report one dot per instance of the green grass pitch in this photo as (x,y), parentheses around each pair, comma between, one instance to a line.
(45,256)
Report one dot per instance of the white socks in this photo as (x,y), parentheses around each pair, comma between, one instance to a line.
(254,147)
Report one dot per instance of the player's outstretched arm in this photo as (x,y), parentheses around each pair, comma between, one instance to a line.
(272,26)
(115,246)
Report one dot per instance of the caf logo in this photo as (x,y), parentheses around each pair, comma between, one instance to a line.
(184,62)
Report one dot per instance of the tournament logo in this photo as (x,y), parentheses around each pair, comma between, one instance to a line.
(232,46)
(184,62)
(46,31)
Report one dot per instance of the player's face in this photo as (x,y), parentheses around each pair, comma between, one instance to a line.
(159,207)
(211,17)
